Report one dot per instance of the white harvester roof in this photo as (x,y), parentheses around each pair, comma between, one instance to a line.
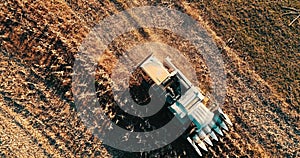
(155,70)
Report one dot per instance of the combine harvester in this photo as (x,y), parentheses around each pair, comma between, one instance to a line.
(185,101)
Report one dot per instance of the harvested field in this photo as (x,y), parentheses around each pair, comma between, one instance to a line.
(39,40)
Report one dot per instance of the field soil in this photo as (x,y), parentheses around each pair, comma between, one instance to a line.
(39,41)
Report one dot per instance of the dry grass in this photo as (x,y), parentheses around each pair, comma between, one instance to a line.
(38,41)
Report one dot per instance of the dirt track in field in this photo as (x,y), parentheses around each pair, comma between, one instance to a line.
(38,41)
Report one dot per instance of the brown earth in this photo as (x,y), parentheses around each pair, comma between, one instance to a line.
(38,41)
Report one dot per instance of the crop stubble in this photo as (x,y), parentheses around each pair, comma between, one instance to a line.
(41,38)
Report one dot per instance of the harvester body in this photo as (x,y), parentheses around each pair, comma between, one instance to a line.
(186,101)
